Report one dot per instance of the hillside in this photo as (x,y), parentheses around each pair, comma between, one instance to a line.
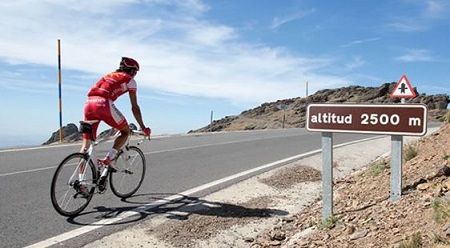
(270,115)
(365,216)
(71,133)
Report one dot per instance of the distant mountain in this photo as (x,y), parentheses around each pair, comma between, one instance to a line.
(270,115)
(71,133)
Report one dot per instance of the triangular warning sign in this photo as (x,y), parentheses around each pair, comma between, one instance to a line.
(403,89)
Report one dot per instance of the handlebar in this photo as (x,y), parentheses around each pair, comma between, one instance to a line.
(140,133)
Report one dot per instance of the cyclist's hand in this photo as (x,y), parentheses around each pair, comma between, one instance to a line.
(147,131)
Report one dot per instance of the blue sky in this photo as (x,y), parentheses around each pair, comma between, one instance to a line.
(224,56)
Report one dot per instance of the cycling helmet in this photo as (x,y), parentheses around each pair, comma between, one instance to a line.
(129,63)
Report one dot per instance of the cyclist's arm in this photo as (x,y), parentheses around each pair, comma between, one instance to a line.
(136,109)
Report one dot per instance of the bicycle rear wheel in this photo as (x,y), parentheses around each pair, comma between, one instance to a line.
(130,164)
(66,195)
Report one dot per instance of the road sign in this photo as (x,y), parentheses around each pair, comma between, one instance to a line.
(390,119)
(403,89)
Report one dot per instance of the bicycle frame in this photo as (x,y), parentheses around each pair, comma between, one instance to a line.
(91,154)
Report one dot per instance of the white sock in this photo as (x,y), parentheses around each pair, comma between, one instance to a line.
(80,177)
(112,153)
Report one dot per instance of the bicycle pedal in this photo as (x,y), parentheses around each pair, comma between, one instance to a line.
(101,190)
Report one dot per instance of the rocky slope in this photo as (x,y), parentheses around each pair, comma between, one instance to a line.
(365,216)
(71,133)
(271,115)
(283,208)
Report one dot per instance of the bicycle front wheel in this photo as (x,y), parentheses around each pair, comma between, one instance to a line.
(72,174)
(130,165)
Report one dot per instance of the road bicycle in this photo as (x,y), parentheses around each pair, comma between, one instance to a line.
(79,175)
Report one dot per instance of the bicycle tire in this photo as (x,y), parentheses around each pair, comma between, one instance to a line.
(130,172)
(65,198)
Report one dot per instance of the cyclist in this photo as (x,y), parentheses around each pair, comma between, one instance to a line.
(100,106)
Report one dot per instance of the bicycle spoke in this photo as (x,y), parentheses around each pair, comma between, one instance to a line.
(67,195)
(131,171)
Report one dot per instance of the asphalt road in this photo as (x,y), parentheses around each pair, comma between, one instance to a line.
(175,164)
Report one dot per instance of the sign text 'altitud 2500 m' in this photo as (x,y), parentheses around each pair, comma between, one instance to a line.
(394,119)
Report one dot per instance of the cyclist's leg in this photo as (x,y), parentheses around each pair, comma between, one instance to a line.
(85,145)
(90,113)
(82,168)
(114,118)
(122,139)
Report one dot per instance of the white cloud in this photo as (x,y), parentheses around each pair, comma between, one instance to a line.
(355,63)
(416,55)
(357,42)
(178,53)
(211,35)
(407,25)
(436,9)
(423,19)
(279,21)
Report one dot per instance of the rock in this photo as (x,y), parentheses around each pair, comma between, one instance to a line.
(289,219)
(446,196)
(249,239)
(443,171)
(447,232)
(70,133)
(277,235)
(423,186)
(275,243)
(446,185)
(350,229)
(358,235)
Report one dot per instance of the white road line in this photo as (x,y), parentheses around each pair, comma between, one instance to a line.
(27,171)
(36,148)
(147,207)
(145,153)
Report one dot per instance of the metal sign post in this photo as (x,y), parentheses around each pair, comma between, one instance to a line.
(283,107)
(327,174)
(396,167)
(403,89)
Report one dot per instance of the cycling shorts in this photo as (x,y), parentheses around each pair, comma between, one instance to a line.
(103,109)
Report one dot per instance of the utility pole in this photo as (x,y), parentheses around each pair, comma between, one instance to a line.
(60,94)
(306,88)
(211,121)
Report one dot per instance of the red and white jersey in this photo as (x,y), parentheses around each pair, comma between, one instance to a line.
(113,85)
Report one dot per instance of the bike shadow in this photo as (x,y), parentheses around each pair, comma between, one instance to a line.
(172,206)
